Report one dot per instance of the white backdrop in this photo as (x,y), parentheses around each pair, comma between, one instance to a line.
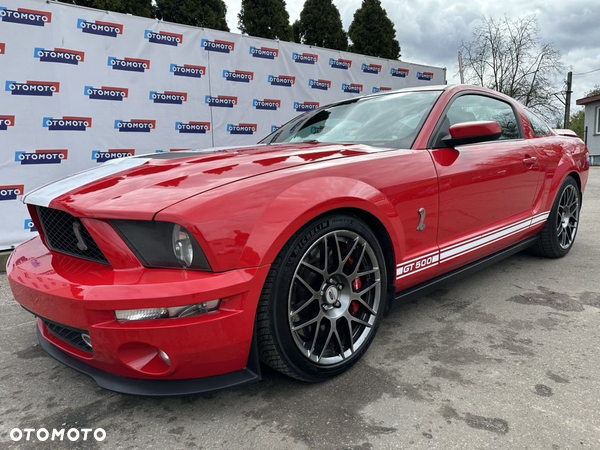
(79,86)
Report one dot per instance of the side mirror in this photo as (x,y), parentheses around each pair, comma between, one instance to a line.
(472,133)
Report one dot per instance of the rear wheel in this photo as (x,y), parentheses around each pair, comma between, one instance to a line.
(558,235)
(323,299)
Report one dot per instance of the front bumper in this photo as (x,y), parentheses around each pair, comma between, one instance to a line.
(206,352)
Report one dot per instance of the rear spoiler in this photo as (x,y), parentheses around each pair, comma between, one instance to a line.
(563,132)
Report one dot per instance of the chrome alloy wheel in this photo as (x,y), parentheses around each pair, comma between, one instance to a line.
(334,297)
(567,217)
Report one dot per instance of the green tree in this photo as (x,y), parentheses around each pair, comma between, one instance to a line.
(578,118)
(577,123)
(143,8)
(593,92)
(265,18)
(198,13)
(372,32)
(320,24)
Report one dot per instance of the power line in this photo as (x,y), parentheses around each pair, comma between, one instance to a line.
(585,73)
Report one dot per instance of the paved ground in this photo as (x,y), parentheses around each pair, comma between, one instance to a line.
(507,359)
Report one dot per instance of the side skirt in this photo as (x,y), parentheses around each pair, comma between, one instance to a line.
(425,288)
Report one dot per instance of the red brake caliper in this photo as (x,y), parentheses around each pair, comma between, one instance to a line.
(356,285)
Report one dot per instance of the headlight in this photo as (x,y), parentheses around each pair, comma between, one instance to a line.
(162,244)
(182,246)
(167,313)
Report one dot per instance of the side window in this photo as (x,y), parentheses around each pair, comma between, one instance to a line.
(478,108)
(538,126)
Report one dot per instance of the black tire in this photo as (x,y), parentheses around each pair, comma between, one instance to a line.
(279,346)
(551,242)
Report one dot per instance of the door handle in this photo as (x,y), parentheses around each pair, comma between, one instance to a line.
(529,160)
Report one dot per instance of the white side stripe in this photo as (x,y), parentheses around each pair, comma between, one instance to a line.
(486,239)
(450,252)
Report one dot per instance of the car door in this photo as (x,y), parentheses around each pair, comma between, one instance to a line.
(487,189)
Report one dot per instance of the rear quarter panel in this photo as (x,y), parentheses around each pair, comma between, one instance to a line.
(559,156)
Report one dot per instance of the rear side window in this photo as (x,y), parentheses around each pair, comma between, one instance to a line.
(538,126)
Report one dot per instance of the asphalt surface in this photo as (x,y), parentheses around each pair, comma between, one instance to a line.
(506,359)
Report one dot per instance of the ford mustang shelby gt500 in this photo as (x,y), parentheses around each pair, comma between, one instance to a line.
(178,272)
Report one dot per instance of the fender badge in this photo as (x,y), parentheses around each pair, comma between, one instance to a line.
(422,213)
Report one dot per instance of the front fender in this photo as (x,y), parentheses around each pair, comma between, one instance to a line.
(308,199)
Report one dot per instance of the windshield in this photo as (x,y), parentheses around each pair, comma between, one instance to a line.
(390,120)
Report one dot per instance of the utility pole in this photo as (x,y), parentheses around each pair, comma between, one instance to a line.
(460,68)
(568,99)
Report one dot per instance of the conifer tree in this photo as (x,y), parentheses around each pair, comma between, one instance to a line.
(372,32)
(265,18)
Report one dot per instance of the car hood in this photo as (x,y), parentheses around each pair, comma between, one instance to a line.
(141,186)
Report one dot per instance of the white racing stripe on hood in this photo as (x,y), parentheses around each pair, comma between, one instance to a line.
(42,196)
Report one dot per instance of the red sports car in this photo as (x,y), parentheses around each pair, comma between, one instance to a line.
(178,272)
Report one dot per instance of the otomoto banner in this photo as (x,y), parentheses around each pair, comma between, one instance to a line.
(79,87)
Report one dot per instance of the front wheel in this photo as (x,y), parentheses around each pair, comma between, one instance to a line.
(323,299)
(558,235)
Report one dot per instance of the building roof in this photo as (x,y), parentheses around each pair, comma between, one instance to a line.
(586,100)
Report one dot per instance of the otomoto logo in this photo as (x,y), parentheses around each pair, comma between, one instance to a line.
(242,128)
(129,64)
(221,101)
(35,88)
(67,123)
(352,88)
(188,71)
(425,76)
(381,89)
(162,37)
(2,48)
(167,97)
(305,106)
(29,225)
(281,80)
(135,125)
(267,104)
(59,55)
(100,28)
(101,156)
(6,121)
(11,191)
(192,127)
(106,93)
(305,58)
(264,52)
(372,68)
(323,85)
(25,16)
(239,76)
(399,72)
(344,64)
(217,46)
(41,157)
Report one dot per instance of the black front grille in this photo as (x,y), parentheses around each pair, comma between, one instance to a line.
(67,234)
(71,336)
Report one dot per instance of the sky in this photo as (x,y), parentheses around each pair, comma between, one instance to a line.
(431,31)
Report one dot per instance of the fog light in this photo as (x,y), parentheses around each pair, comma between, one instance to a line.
(175,312)
(87,339)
